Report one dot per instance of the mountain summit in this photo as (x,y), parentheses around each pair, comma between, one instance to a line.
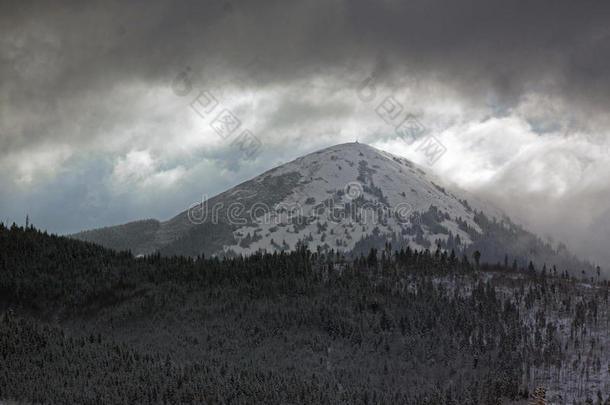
(348,198)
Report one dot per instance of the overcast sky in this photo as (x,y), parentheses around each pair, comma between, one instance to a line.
(96,127)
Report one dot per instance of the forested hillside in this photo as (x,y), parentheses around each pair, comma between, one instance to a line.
(84,324)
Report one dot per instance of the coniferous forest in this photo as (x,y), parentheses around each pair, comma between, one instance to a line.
(83,324)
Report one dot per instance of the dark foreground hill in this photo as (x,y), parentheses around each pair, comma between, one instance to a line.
(84,324)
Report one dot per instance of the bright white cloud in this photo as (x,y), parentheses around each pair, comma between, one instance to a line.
(30,167)
(139,170)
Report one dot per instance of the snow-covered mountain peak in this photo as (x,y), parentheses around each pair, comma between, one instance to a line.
(349,198)
(342,194)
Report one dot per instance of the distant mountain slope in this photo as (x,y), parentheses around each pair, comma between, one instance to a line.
(134,236)
(348,197)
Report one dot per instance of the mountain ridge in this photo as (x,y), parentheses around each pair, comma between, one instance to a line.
(348,198)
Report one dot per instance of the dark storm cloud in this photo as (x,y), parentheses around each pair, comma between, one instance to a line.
(77,49)
(291,112)
(63,65)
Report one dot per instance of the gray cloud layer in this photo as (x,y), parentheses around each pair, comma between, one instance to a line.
(88,119)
